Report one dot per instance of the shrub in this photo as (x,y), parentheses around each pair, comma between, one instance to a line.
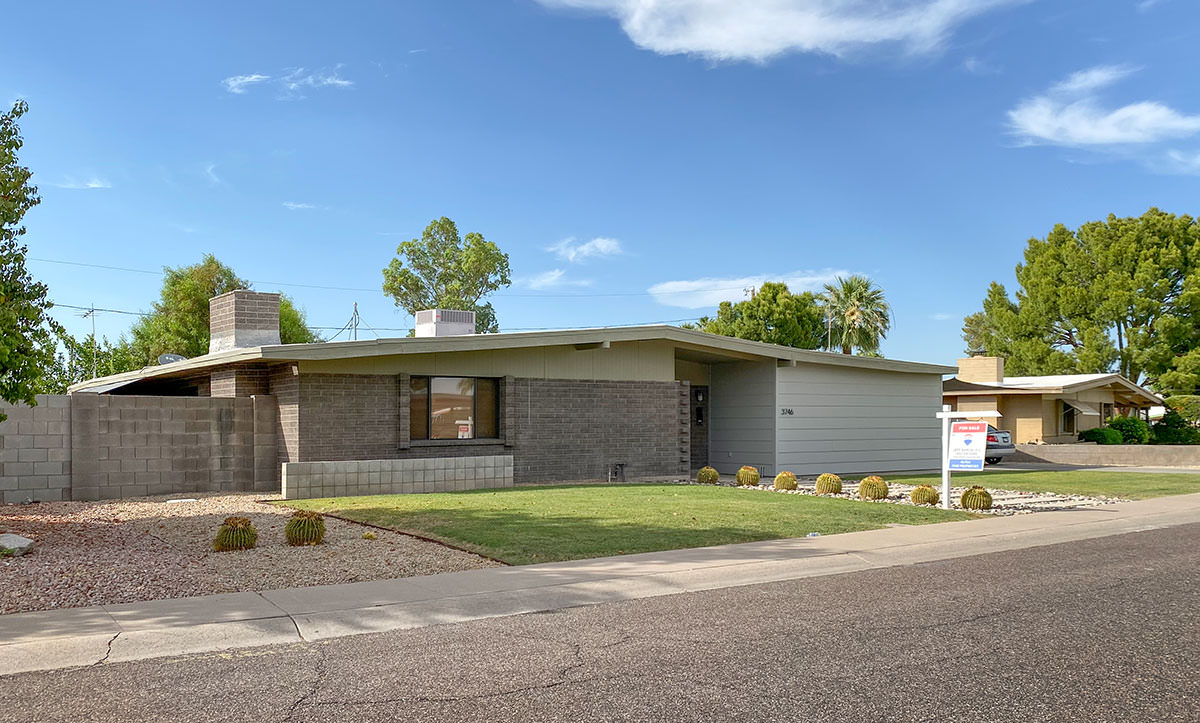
(1188,406)
(707,476)
(1101,435)
(1132,429)
(785,481)
(976,498)
(1174,429)
(747,476)
(305,528)
(235,533)
(925,495)
(829,484)
(872,488)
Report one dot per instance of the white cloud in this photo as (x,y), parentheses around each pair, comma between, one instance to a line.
(210,172)
(976,66)
(292,206)
(1185,162)
(291,83)
(572,251)
(1147,5)
(701,293)
(762,29)
(238,83)
(1069,113)
(553,279)
(941,316)
(72,183)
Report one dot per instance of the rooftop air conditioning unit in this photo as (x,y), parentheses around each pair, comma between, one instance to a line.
(445,322)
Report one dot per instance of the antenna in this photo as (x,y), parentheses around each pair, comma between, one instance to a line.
(92,313)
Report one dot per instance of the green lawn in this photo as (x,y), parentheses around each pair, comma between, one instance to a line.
(1131,485)
(542,524)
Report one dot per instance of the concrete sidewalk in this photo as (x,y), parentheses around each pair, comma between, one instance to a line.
(112,633)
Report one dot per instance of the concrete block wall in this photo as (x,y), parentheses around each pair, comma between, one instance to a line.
(555,429)
(35,451)
(303,480)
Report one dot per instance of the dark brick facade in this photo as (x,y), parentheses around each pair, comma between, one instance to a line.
(555,429)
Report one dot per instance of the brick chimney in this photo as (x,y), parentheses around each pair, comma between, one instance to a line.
(981,369)
(241,319)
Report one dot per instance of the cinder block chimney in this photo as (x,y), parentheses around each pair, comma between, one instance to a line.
(981,369)
(241,319)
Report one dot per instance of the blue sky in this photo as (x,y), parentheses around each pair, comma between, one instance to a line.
(638,160)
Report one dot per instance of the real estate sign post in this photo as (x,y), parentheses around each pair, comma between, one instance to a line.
(964,444)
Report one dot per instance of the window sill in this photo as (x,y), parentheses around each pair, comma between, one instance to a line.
(455,442)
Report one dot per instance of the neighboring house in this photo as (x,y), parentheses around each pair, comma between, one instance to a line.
(565,405)
(1044,409)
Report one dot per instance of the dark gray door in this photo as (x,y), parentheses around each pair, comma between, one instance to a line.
(699,427)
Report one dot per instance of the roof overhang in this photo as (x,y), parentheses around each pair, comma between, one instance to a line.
(688,343)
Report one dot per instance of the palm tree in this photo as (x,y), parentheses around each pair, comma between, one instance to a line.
(857,314)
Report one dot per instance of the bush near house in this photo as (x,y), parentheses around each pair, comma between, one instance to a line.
(1174,429)
(1101,435)
(1132,429)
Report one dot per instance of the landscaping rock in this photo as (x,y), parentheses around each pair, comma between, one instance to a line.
(16,544)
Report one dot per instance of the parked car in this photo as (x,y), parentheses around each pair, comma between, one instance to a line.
(999,445)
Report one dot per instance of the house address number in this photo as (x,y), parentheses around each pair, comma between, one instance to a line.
(786,411)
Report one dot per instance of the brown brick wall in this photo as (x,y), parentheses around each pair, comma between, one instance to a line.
(284,385)
(239,380)
(555,429)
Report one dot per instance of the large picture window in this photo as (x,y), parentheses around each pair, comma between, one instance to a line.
(454,408)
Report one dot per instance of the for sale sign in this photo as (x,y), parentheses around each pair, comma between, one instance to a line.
(968,445)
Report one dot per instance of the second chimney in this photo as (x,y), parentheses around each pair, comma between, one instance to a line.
(241,319)
(981,369)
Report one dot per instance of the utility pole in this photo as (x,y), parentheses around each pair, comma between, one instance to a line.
(354,322)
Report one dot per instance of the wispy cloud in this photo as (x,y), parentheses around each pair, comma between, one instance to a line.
(553,279)
(293,206)
(1184,162)
(977,66)
(941,316)
(759,31)
(1070,113)
(291,84)
(95,182)
(710,291)
(1146,6)
(210,172)
(238,83)
(575,252)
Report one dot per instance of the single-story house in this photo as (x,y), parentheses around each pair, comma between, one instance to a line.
(578,404)
(1049,409)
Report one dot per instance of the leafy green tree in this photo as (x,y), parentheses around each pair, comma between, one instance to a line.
(858,315)
(26,329)
(442,270)
(773,315)
(178,323)
(77,360)
(1120,295)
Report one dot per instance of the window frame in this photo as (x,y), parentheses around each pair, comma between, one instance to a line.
(1062,418)
(475,417)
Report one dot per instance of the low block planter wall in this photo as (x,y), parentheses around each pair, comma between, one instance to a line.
(1111,455)
(302,480)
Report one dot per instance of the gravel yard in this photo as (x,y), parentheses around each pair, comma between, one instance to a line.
(118,551)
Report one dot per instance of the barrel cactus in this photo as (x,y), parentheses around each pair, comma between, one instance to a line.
(707,476)
(925,495)
(786,481)
(305,528)
(829,484)
(235,533)
(747,476)
(976,498)
(872,488)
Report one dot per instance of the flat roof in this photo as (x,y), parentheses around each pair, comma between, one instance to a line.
(682,338)
(1049,384)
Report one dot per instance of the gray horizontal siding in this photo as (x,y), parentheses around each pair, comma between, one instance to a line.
(741,426)
(856,421)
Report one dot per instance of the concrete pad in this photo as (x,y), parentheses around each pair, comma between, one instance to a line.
(157,614)
(51,624)
(325,598)
(53,654)
(183,640)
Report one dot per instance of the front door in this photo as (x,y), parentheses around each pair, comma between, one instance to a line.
(699,427)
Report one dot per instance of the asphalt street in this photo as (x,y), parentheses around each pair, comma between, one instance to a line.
(1101,630)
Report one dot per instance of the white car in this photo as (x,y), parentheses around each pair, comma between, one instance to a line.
(999,445)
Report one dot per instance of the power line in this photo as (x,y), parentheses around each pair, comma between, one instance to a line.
(499,294)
